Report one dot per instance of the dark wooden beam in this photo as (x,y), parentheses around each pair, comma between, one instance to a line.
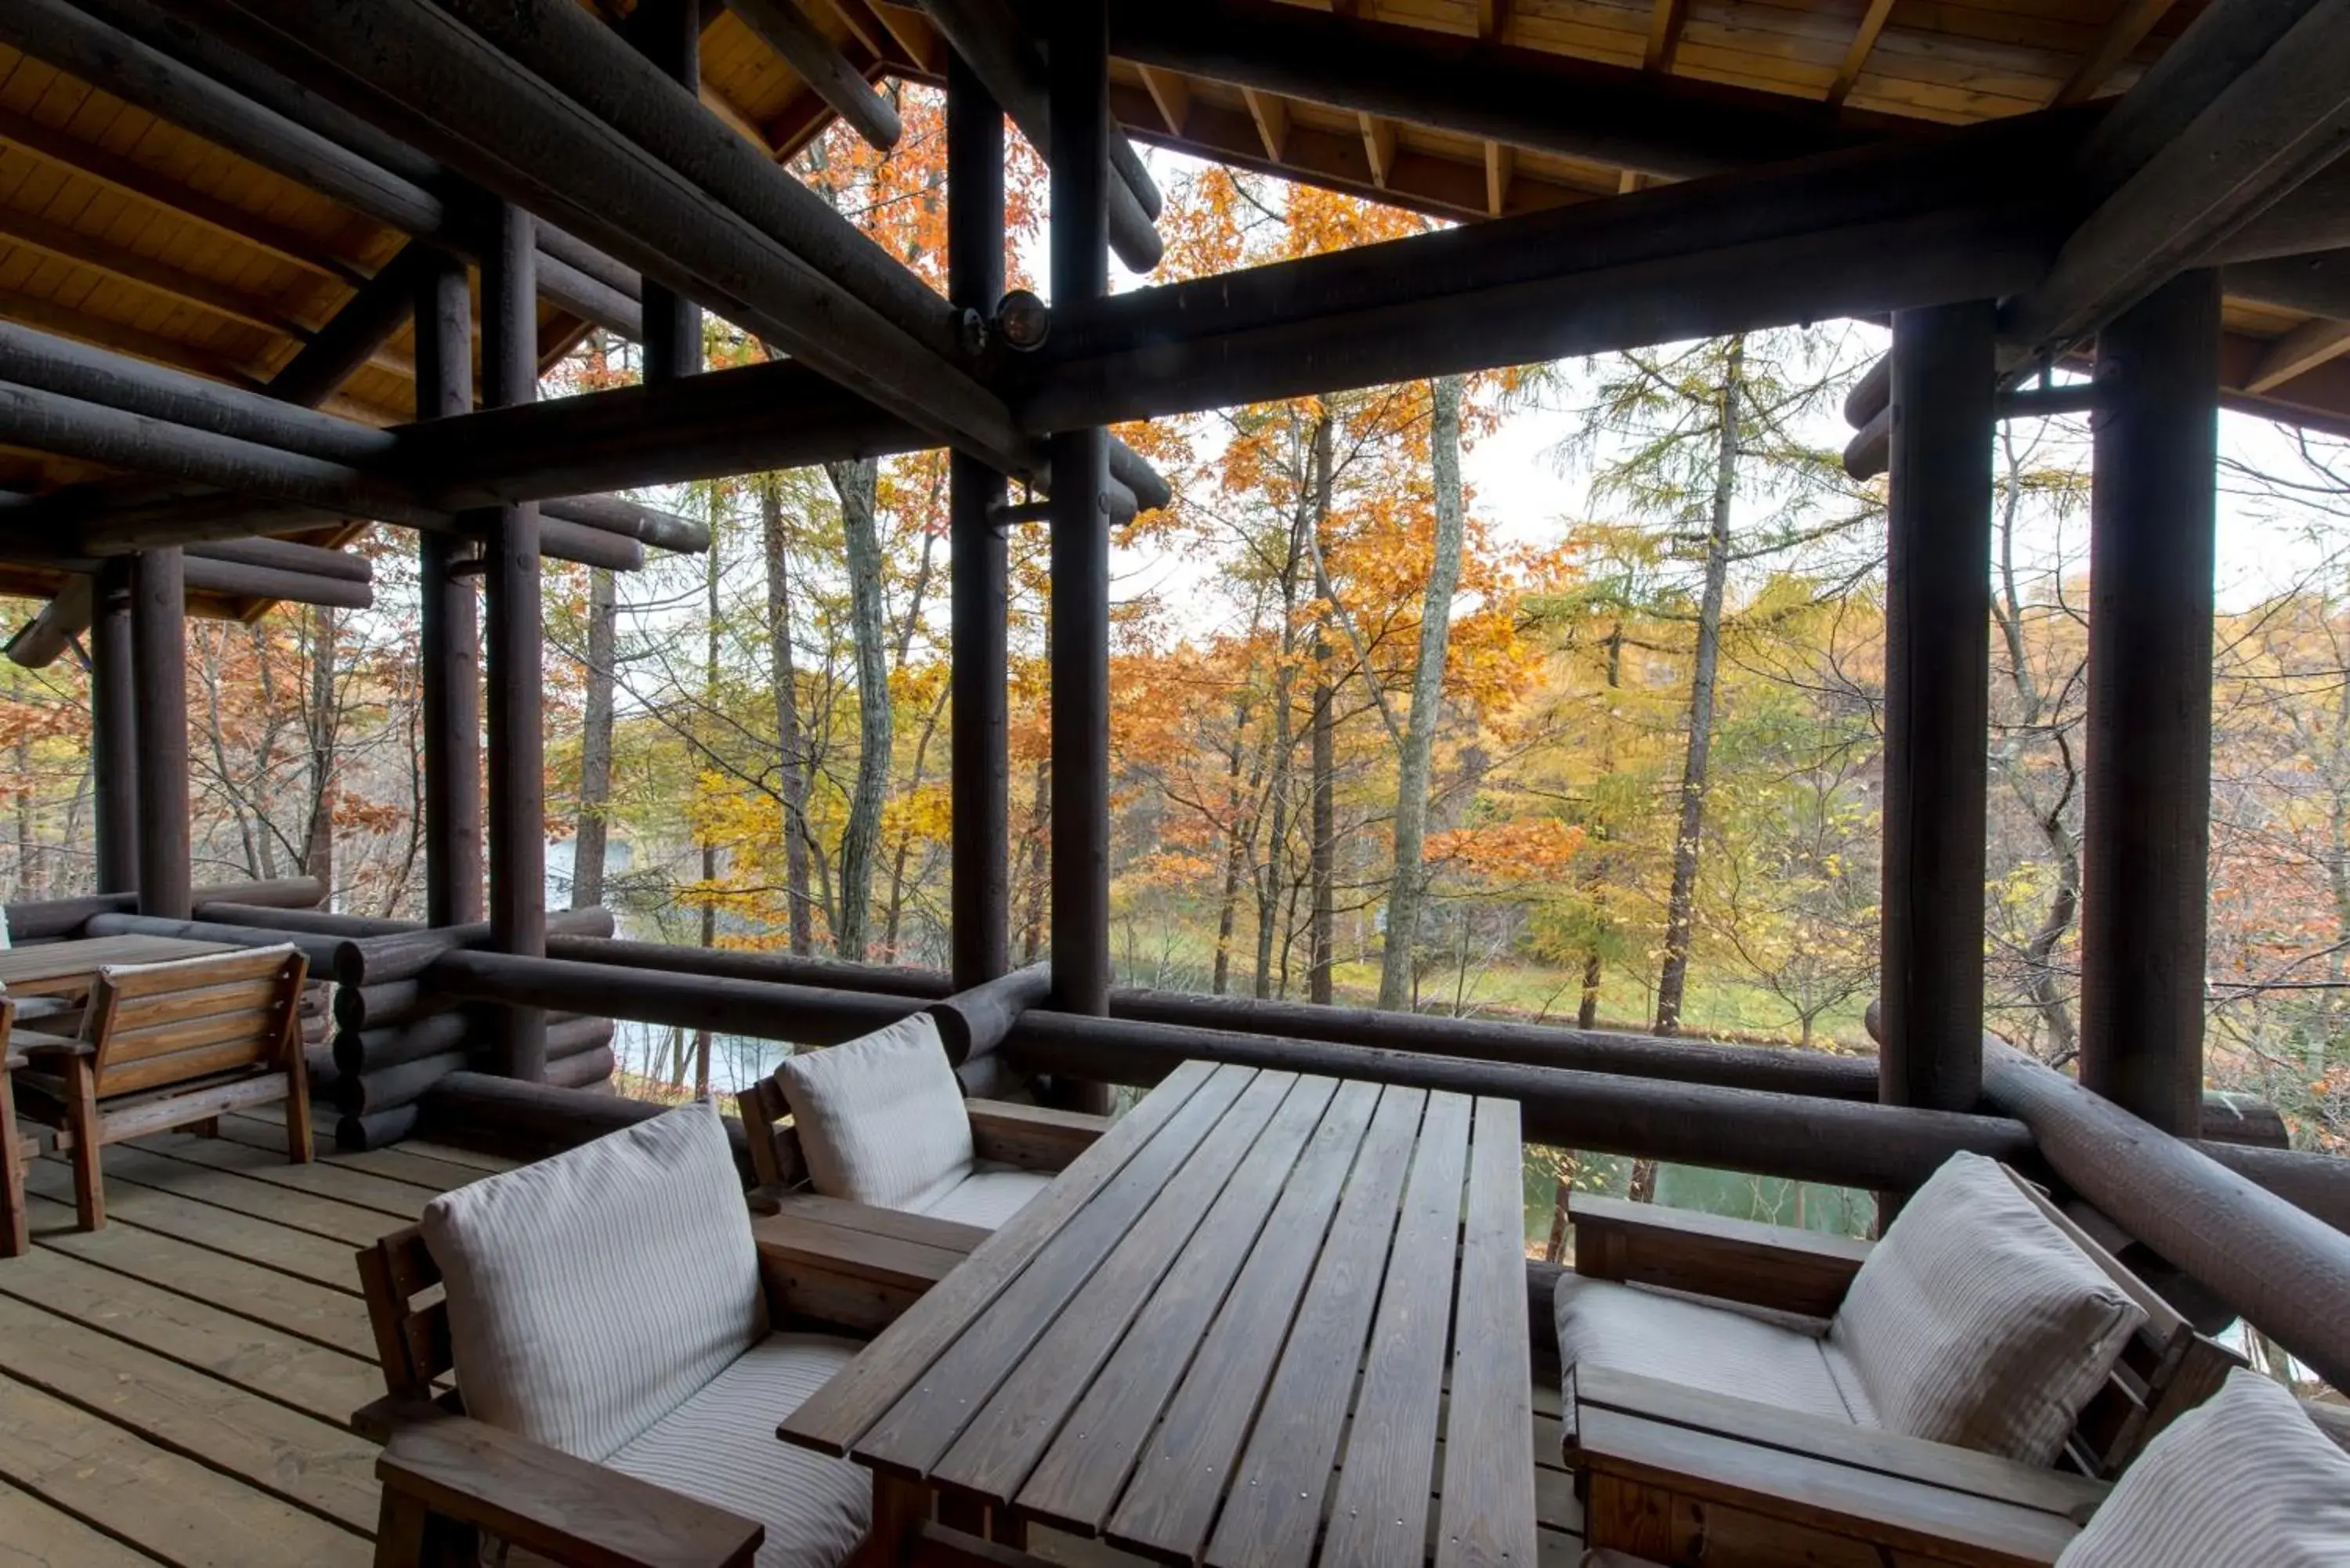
(668,33)
(980,597)
(991,38)
(1621,116)
(784,27)
(450,636)
(2146,835)
(114,729)
(158,655)
(1937,705)
(423,73)
(2317,284)
(368,320)
(2279,118)
(1081,541)
(514,669)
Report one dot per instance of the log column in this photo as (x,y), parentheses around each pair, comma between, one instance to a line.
(113,728)
(1080,522)
(158,662)
(517,813)
(669,33)
(2148,791)
(451,633)
(981,584)
(1937,706)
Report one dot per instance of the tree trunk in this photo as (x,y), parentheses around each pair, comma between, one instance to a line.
(1409,883)
(1682,904)
(1586,1013)
(788,746)
(1039,833)
(589,841)
(1323,860)
(855,483)
(29,881)
(318,848)
(1285,742)
(889,944)
(1237,834)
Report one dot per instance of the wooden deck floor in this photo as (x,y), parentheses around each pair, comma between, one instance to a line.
(176,1389)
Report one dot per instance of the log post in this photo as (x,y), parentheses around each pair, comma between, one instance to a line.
(158,659)
(1937,706)
(450,634)
(980,601)
(669,33)
(1080,549)
(113,728)
(2148,791)
(517,783)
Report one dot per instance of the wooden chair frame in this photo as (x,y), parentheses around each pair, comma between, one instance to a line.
(171,1046)
(1646,1450)
(15,1238)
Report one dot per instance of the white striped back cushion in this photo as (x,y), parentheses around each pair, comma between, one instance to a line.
(2244,1482)
(881,1117)
(1976,1322)
(591,1294)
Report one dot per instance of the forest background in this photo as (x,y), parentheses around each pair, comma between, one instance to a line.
(1594,741)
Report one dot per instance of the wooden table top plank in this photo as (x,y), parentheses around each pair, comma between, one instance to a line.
(924,1421)
(1487,1516)
(1003,1441)
(1274,1508)
(1379,1518)
(1172,1500)
(41,969)
(1078,1480)
(848,1404)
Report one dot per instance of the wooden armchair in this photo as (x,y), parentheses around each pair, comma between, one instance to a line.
(166,1044)
(14,1150)
(1687,1475)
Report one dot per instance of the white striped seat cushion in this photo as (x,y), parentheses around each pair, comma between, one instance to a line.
(990,1195)
(881,1117)
(1699,1345)
(719,1446)
(1976,1322)
(2243,1481)
(592,1294)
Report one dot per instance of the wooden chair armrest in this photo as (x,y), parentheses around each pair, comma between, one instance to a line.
(1804,1272)
(1034,1137)
(1989,1476)
(38,1047)
(579,1514)
(13,1060)
(853,1265)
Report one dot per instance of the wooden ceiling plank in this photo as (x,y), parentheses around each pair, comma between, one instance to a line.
(863,27)
(915,36)
(1379,147)
(121,261)
(1271,113)
(1864,44)
(2307,346)
(1665,20)
(1171,92)
(51,316)
(1492,20)
(136,179)
(1500,165)
(838,72)
(2120,38)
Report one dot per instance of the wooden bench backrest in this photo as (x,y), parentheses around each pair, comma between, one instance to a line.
(775,1159)
(411,1340)
(156,1026)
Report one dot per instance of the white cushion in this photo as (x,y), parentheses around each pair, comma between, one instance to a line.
(719,1446)
(1697,1344)
(990,1195)
(1607,1558)
(2243,1481)
(881,1117)
(1977,1321)
(591,1294)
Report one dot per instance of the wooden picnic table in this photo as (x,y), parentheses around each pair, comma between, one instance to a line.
(1164,1349)
(69,969)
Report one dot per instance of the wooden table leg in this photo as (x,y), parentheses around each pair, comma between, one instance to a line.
(899,1506)
(14,1238)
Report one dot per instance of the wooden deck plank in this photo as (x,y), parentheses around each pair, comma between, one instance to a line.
(35,1536)
(309,1378)
(434,1176)
(239,1193)
(931,1412)
(1077,1482)
(169,1505)
(321,1469)
(393,1200)
(1487,1516)
(1379,1514)
(1003,1441)
(301,1307)
(1275,1506)
(841,1412)
(295,1253)
(1166,1511)
(446,1154)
